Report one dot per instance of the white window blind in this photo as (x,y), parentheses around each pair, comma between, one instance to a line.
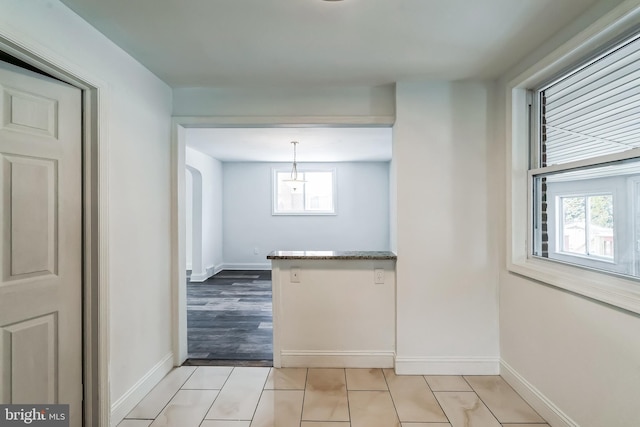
(586,175)
(594,110)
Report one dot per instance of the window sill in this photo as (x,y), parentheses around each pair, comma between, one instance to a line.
(607,288)
(304,213)
(569,256)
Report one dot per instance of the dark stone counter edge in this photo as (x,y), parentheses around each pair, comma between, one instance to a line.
(336,255)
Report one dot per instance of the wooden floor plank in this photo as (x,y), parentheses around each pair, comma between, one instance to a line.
(229,317)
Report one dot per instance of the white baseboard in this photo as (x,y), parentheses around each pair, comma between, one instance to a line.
(213,270)
(198,277)
(337,359)
(447,365)
(247,266)
(140,389)
(534,397)
(208,272)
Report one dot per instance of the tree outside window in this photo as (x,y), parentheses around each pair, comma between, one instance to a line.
(592,237)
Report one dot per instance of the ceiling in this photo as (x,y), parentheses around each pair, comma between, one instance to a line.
(325,144)
(316,43)
(233,43)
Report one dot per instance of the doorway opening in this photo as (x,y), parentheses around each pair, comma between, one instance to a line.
(233,280)
(229,313)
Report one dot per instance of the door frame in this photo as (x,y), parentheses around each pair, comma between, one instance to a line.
(178,228)
(95,313)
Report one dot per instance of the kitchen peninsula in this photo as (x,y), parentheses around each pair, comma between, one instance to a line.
(333,309)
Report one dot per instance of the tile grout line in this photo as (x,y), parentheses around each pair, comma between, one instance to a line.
(346,391)
(395,408)
(436,398)
(304,394)
(494,415)
(170,399)
(260,398)
(217,396)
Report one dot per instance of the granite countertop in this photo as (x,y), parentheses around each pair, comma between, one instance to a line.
(343,255)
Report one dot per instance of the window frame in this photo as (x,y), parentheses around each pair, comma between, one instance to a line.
(607,287)
(560,247)
(303,170)
(590,261)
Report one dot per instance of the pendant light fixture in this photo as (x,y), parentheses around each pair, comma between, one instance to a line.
(294,180)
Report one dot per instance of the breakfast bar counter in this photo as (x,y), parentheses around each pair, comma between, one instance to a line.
(341,255)
(333,308)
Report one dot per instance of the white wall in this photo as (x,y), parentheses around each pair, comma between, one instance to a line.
(210,170)
(580,355)
(446,212)
(361,223)
(138,116)
(447,312)
(342,101)
(188,203)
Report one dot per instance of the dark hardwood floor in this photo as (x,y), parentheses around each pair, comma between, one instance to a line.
(229,318)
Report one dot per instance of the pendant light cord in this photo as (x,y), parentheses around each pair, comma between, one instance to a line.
(294,169)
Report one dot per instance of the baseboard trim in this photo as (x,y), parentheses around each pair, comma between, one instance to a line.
(337,359)
(247,266)
(208,272)
(198,277)
(447,365)
(140,389)
(534,397)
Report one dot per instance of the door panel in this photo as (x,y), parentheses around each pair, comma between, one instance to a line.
(29,113)
(32,378)
(41,250)
(31,245)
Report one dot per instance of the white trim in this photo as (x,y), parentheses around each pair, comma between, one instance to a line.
(613,24)
(209,272)
(178,228)
(247,266)
(198,278)
(283,121)
(140,389)
(534,397)
(178,244)
(216,269)
(592,161)
(95,140)
(617,291)
(447,365)
(336,359)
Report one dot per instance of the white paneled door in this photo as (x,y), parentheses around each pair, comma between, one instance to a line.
(41,249)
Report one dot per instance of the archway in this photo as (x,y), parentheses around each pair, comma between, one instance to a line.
(194,216)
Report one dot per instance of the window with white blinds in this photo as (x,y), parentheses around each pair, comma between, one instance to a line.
(593,110)
(586,163)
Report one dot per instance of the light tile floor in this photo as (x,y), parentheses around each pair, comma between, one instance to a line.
(218,396)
